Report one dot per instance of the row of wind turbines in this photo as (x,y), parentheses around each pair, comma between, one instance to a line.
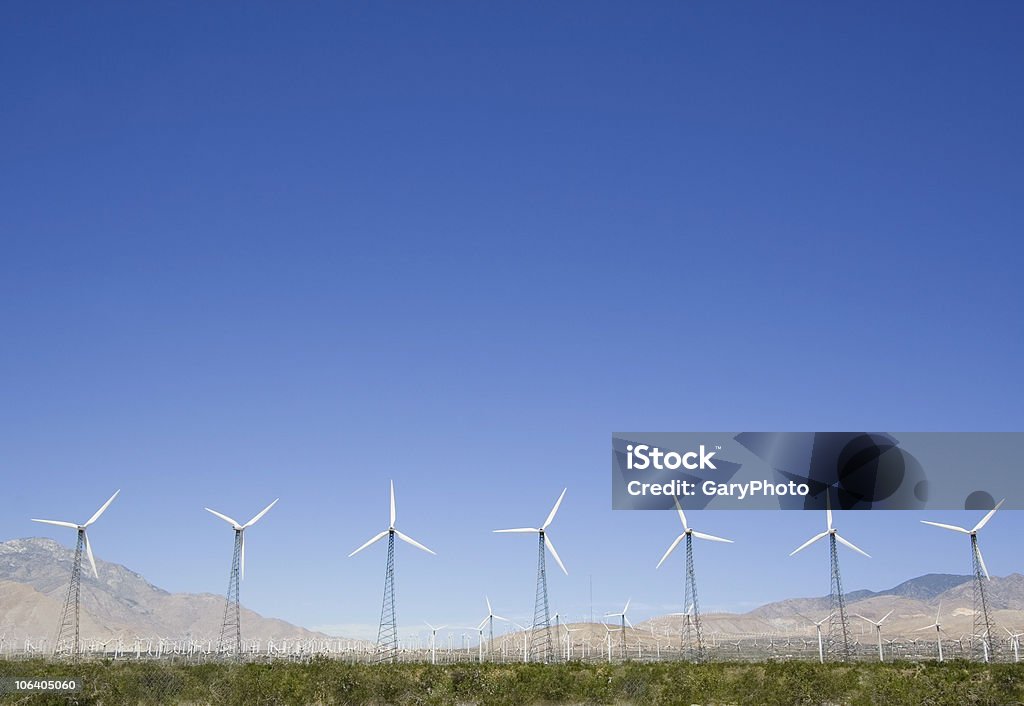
(836,644)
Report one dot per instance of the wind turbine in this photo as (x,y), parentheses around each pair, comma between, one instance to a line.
(690,583)
(540,638)
(490,618)
(231,628)
(878,630)
(1015,642)
(387,633)
(938,629)
(623,621)
(69,622)
(433,641)
(983,624)
(838,625)
(817,626)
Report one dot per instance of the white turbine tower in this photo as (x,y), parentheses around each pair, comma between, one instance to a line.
(387,633)
(541,646)
(878,631)
(838,625)
(433,641)
(623,621)
(938,629)
(230,641)
(68,639)
(690,582)
(983,624)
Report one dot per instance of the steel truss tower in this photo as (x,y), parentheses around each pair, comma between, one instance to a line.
(540,637)
(387,632)
(984,627)
(838,624)
(230,642)
(693,635)
(68,642)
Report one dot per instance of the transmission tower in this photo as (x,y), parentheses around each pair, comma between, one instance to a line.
(230,642)
(983,624)
(693,635)
(540,636)
(68,643)
(838,624)
(387,633)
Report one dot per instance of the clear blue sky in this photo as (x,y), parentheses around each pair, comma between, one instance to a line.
(261,250)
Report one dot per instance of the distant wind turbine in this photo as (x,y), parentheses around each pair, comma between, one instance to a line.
(878,630)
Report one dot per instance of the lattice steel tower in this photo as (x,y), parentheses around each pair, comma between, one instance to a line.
(68,642)
(540,638)
(387,632)
(838,645)
(230,641)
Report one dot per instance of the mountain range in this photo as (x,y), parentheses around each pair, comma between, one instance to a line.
(121,603)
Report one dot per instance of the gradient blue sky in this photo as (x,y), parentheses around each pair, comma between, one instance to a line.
(266,250)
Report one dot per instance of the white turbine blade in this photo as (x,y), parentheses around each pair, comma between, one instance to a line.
(413,542)
(551,548)
(489,611)
(107,504)
(554,510)
(926,627)
(261,513)
(224,517)
(828,512)
(671,548)
(498,617)
(241,556)
(937,611)
(982,562)
(519,529)
(429,625)
(376,538)
(682,515)
(949,527)
(885,616)
(626,609)
(863,618)
(59,523)
(612,615)
(88,553)
(627,621)
(482,623)
(988,517)
(711,537)
(392,504)
(808,543)
(852,546)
